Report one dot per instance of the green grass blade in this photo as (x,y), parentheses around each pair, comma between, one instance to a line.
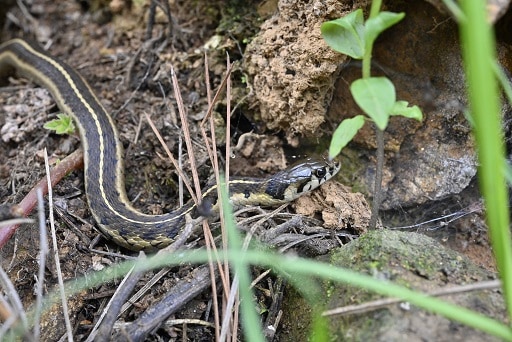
(250,319)
(294,267)
(479,58)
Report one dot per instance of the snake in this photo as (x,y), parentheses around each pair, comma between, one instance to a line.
(117,219)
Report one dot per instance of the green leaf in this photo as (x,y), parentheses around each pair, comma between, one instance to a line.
(346,35)
(376,96)
(345,132)
(402,108)
(62,125)
(376,25)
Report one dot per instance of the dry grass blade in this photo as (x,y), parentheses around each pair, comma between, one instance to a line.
(69,329)
(173,322)
(138,295)
(43,252)
(381,303)
(225,278)
(186,133)
(213,159)
(8,314)
(233,289)
(15,222)
(444,220)
(197,194)
(111,311)
(182,175)
(14,313)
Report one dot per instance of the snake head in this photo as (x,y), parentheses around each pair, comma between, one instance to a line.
(301,178)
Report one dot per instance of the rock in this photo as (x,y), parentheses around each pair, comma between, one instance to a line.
(412,260)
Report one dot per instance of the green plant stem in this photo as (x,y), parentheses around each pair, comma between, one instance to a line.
(375,8)
(478,54)
(367,60)
(377,196)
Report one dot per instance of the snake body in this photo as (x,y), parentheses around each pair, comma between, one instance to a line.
(116,218)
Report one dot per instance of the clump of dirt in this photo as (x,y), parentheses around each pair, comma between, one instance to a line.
(338,206)
(292,69)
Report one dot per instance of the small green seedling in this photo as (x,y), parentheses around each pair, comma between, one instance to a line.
(376,96)
(62,125)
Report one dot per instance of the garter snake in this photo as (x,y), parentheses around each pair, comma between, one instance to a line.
(116,218)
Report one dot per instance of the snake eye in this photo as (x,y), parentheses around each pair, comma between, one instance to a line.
(320,173)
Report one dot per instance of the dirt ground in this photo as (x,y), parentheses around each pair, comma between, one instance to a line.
(129,68)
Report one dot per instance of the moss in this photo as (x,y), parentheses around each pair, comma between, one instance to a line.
(409,259)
